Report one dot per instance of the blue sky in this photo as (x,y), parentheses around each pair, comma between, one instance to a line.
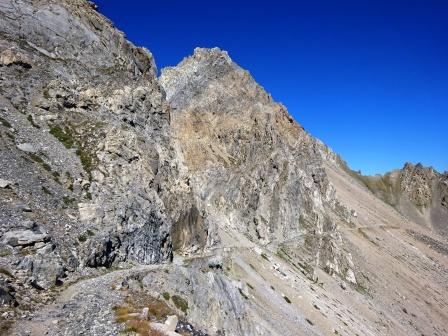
(369,78)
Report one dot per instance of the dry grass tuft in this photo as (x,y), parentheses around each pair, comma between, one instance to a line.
(133,306)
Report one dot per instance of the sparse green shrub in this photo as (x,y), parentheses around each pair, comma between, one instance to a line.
(82,238)
(5,253)
(31,120)
(264,256)
(86,161)
(67,200)
(166,295)
(180,303)
(5,122)
(46,191)
(36,158)
(65,137)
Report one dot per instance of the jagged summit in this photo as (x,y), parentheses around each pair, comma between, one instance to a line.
(207,68)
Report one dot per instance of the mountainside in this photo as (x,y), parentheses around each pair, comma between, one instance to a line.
(128,200)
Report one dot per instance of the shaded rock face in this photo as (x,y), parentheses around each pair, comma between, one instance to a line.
(251,167)
(85,150)
(189,231)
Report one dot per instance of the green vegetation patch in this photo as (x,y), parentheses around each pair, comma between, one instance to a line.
(46,191)
(166,295)
(82,238)
(31,120)
(180,303)
(264,256)
(64,136)
(86,161)
(5,122)
(70,139)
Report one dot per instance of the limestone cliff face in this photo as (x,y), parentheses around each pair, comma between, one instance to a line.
(251,167)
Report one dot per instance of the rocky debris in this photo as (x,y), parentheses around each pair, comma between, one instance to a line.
(102,253)
(91,128)
(415,183)
(47,272)
(186,328)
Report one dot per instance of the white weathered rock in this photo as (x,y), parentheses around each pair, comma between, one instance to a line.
(23,237)
(171,322)
(5,183)
(27,147)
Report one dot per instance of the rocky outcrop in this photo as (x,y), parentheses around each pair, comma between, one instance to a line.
(251,167)
(419,193)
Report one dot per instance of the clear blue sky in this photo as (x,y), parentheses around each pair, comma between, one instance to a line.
(369,78)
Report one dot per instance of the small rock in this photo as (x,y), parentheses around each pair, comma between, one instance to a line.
(171,322)
(5,184)
(23,207)
(28,224)
(343,285)
(39,245)
(27,147)
(215,262)
(145,313)
(11,56)
(23,237)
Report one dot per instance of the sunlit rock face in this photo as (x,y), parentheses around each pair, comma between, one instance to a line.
(251,167)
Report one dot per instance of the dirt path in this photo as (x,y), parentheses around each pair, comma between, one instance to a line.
(83,308)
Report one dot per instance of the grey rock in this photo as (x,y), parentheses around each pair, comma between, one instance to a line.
(47,272)
(7,294)
(27,147)
(23,207)
(24,237)
(5,183)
